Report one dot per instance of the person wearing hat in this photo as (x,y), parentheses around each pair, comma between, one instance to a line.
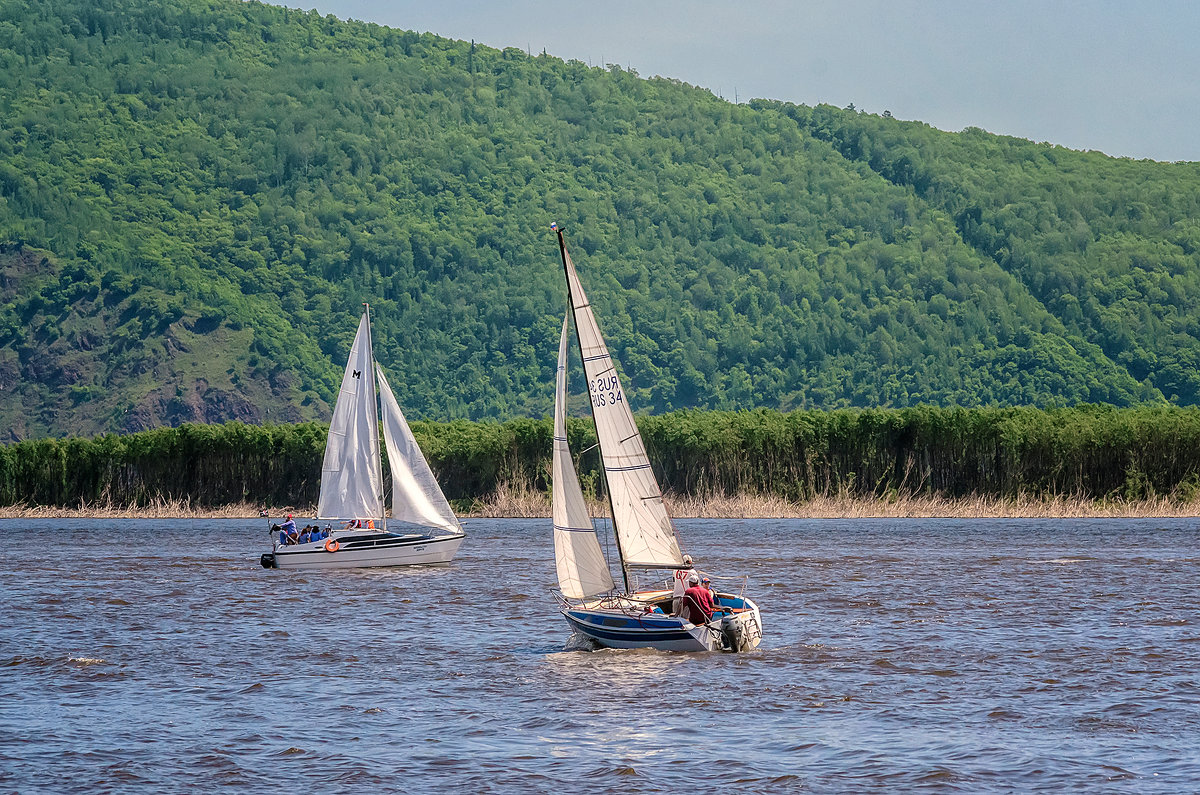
(681,583)
(289,529)
(698,604)
(706,584)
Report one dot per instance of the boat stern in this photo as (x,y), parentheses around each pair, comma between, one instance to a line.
(741,626)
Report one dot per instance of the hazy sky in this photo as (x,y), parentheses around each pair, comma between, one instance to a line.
(1119,77)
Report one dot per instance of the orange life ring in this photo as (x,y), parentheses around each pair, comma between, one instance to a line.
(332,545)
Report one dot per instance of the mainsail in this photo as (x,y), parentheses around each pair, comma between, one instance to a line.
(643,528)
(351,474)
(416,496)
(582,570)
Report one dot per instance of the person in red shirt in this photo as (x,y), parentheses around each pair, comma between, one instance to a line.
(698,604)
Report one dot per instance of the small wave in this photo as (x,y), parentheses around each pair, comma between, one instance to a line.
(1064,561)
(87,660)
(579,642)
(613,771)
(37,662)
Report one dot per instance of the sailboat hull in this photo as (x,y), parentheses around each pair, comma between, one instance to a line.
(357,550)
(620,624)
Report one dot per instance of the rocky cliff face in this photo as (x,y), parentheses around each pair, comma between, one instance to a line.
(70,366)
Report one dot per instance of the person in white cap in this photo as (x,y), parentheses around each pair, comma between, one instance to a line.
(698,605)
(681,583)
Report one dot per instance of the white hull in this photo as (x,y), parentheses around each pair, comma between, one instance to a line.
(620,624)
(365,549)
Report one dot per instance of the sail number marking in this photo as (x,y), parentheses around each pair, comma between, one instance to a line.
(605,390)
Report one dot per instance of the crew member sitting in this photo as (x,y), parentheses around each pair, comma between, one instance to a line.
(289,529)
(698,605)
(706,583)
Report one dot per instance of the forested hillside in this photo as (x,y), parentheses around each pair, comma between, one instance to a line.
(197,196)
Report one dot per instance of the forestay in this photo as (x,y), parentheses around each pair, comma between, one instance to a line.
(643,527)
(582,570)
(416,496)
(351,473)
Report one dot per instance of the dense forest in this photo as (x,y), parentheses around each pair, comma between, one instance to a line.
(196,196)
(1087,452)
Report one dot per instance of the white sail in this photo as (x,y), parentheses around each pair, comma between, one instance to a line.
(416,496)
(642,525)
(351,474)
(582,570)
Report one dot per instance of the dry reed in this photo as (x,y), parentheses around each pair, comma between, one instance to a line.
(523,502)
(158,509)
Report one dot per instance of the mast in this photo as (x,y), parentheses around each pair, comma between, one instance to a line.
(375,419)
(562,250)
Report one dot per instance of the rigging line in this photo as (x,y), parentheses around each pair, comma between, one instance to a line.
(606,370)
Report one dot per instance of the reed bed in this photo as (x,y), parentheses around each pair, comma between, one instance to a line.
(156,509)
(973,507)
(1079,461)
(525,503)
(517,502)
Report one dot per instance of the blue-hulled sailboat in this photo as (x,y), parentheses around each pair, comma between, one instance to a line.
(646,540)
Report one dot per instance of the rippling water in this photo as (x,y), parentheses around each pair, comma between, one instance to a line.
(899,655)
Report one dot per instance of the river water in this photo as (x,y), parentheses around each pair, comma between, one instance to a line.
(981,655)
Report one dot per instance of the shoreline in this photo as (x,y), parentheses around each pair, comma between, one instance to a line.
(530,505)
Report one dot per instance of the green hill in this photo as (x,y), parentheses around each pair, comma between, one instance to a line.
(197,196)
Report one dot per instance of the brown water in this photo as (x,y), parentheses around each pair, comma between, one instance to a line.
(972,655)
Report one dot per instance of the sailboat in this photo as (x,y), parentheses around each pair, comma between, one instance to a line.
(352,483)
(588,598)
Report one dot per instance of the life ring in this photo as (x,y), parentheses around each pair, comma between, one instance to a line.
(332,545)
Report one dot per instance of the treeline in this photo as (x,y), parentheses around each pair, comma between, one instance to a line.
(196,196)
(1091,452)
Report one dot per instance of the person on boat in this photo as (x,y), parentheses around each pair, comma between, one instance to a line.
(681,577)
(289,529)
(698,605)
(706,584)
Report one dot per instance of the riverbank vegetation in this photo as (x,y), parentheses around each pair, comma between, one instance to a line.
(196,196)
(1087,460)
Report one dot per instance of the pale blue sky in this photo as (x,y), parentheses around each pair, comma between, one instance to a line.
(1119,77)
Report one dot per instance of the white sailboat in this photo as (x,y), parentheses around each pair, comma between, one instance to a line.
(646,539)
(352,483)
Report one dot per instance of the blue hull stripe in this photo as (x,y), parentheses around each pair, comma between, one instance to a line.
(612,633)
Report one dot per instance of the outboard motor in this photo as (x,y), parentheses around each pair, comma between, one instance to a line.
(734,633)
(268,560)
